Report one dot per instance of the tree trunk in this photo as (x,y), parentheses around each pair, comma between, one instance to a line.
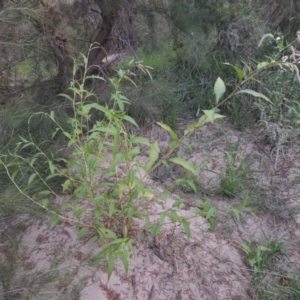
(102,43)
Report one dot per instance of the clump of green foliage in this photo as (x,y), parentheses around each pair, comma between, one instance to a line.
(103,167)
(259,256)
(238,172)
(270,281)
(96,150)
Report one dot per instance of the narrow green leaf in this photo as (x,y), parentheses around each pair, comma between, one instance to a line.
(255,94)
(245,201)
(31,178)
(71,142)
(117,159)
(66,185)
(98,107)
(236,212)
(179,181)
(85,110)
(169,129)
(131,120)
(140,214)
(193,126)
(85,59)
(172,144)
(188,146)
(281,44)
(45,202)
(140,140)
(200,212)
(186,226)
(93,239)
(153,156)
(33,161)
(77,131)
(239,71)
(111,209)
(154,229)
(97,212)
(91,161)
(245,248)
(120,102)
(164,195)
(23,139)
(81,232)
(67,134)
(202,120)
(121,73)
(124,258)
(51,167)
(211,212)
(213,223)
(174,216)
(43,193)
(119,242)
(219,89)
(186,131)
(106,233)
(89,149)
(15,173)
(191,185)
(116,142)
(93,136)
(27,145)
(66,96)
(125,99)
(162,217)
(130,80)
(125,230)
(200,202)
(55,220)
(263,248)
(55,132)
(130,212)
(108,130)
(133,153)
(79,212)
(248,67)
(110,267)
(178,203)
(182,162)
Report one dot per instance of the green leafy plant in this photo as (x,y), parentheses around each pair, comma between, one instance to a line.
(236,210)
(238,170)
(207,210)
(101,150)
(103,170)
(259,256)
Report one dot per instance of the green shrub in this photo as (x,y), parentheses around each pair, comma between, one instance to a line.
(103,157)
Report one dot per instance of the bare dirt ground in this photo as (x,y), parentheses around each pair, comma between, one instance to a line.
(209,265)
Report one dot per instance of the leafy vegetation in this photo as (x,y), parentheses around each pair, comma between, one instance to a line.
(80,81)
